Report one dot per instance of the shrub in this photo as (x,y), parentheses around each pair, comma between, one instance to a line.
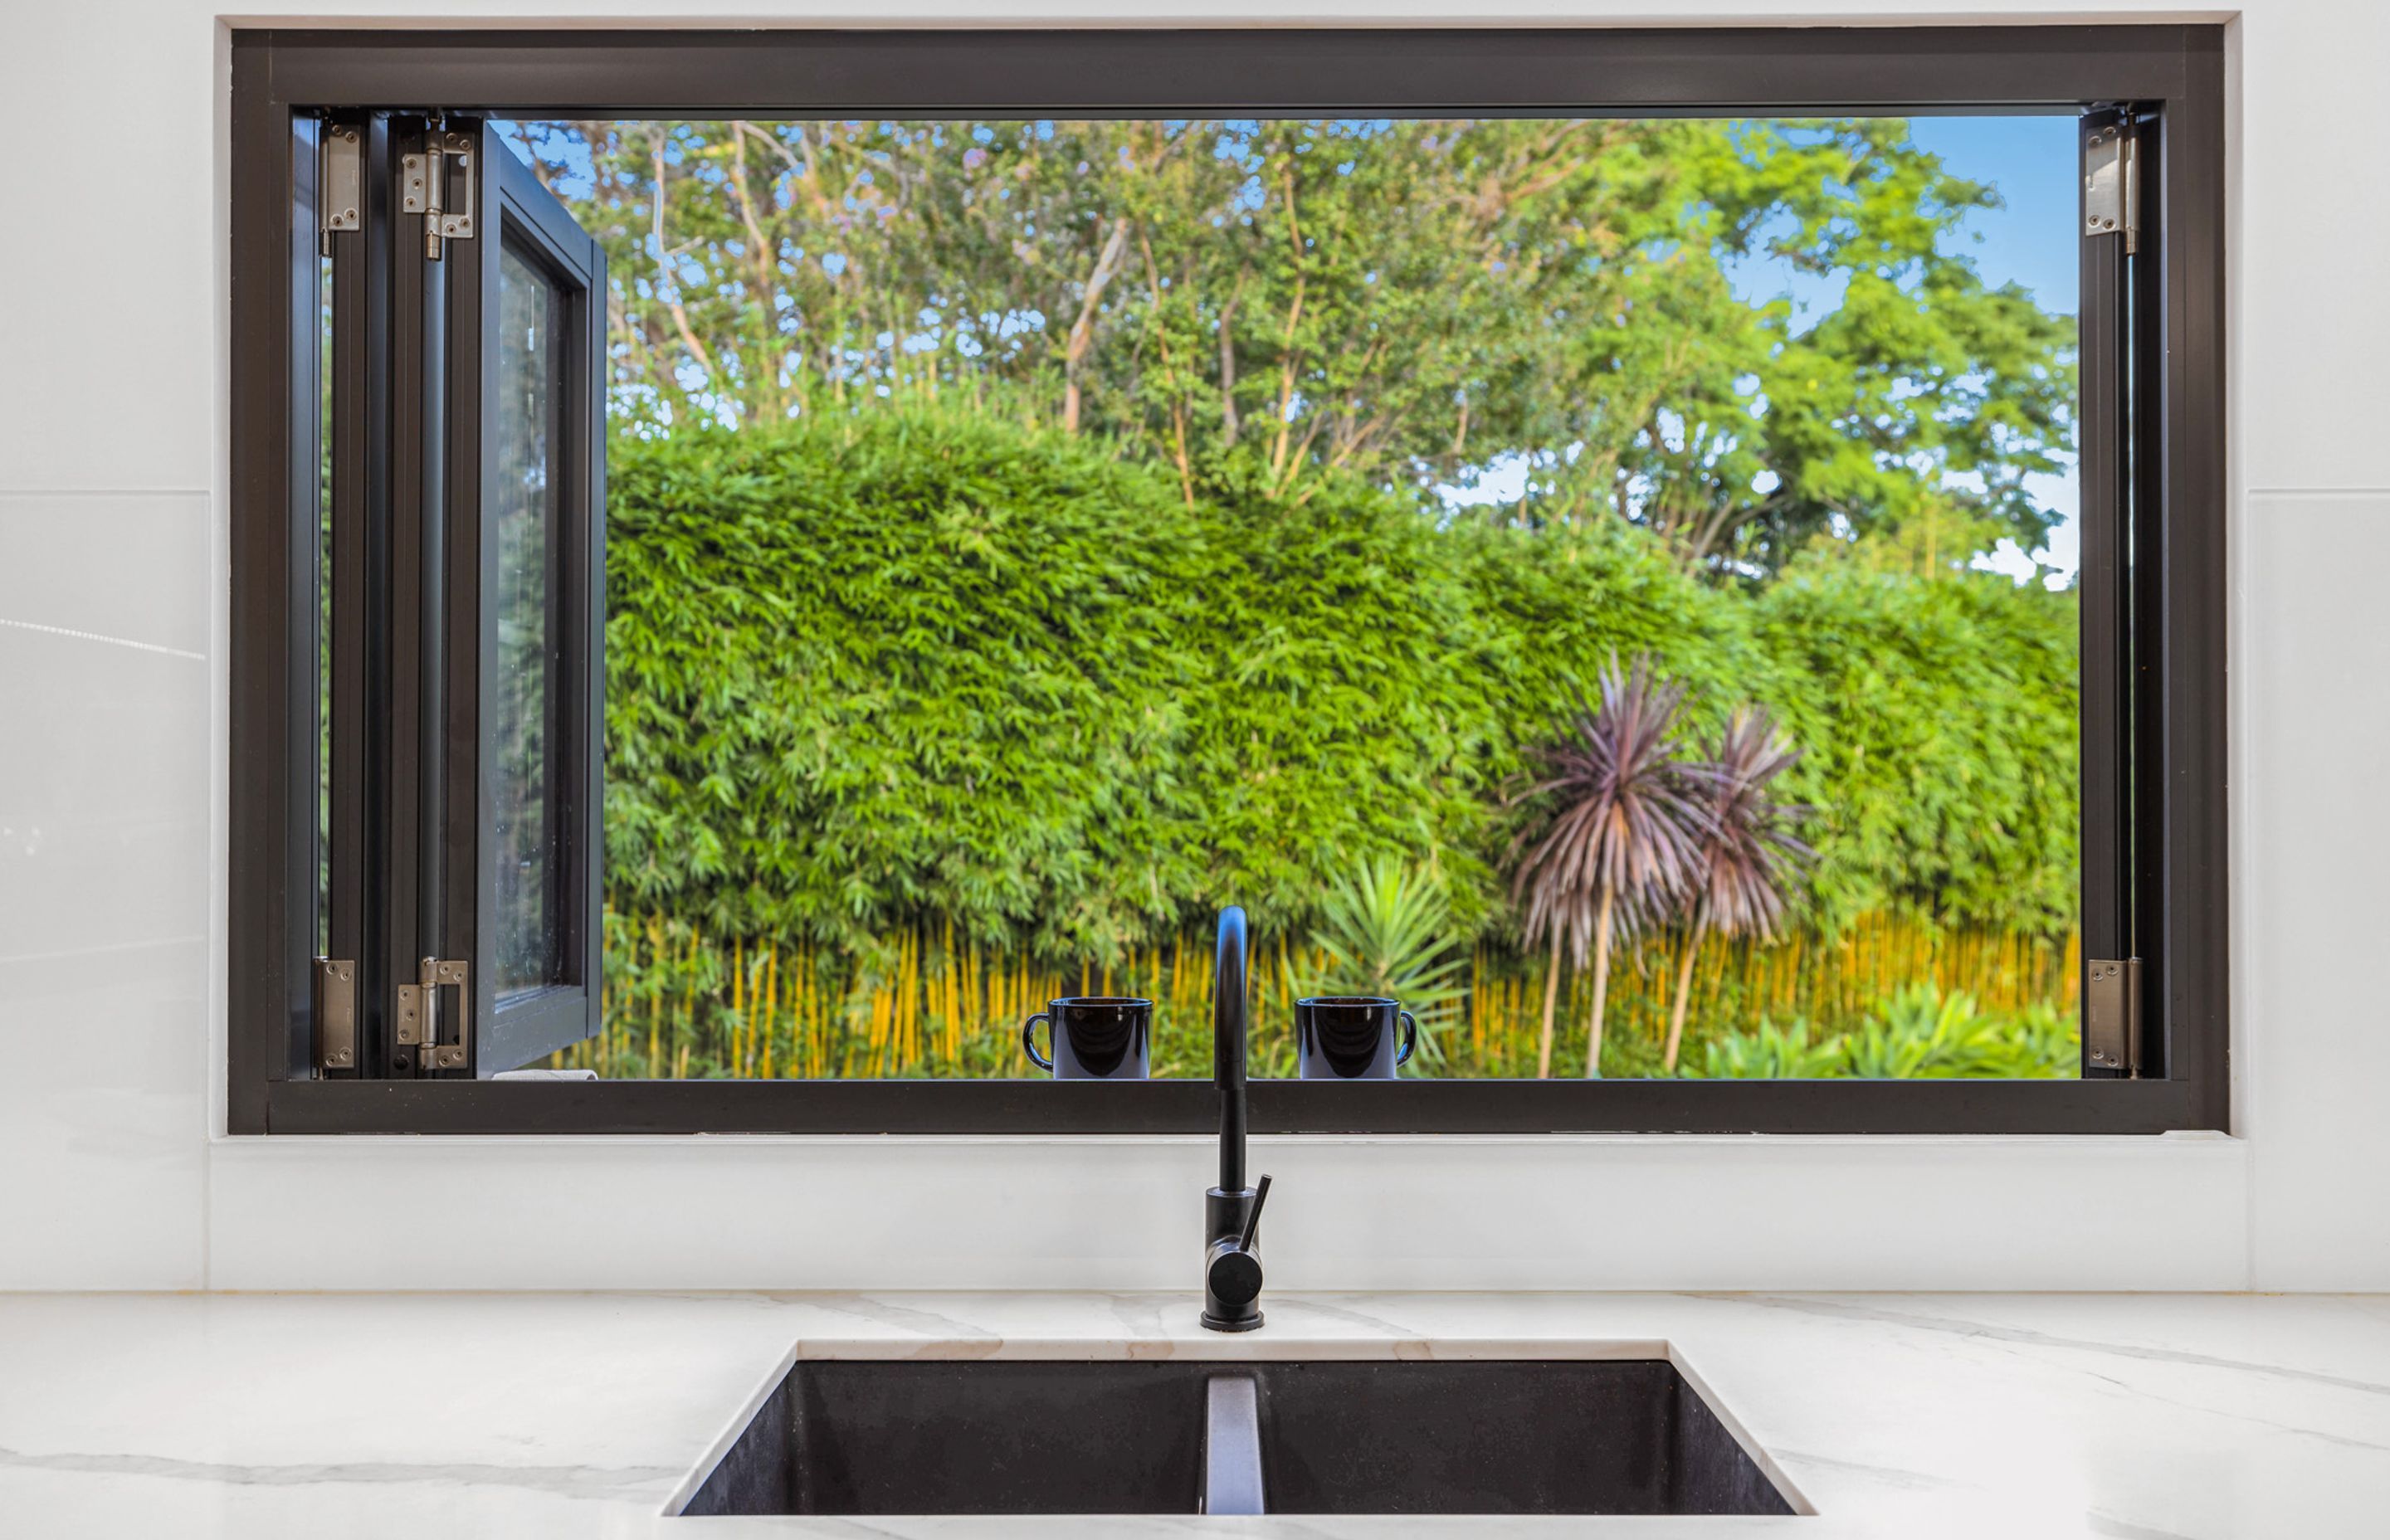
(1916,1032)
(1771,1053)
(888,672)
(1939,722)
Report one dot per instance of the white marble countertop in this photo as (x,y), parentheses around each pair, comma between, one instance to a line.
(1920,1417)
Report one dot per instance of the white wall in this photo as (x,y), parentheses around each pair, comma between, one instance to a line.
(114,521)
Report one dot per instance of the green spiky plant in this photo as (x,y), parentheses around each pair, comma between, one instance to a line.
(1624,838)
(1386,929)
(1919,1032)
(2039,1042)
(1773,1053)
(1748,855)
(1915,1032)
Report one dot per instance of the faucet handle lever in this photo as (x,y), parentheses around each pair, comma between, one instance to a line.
(1253,1216)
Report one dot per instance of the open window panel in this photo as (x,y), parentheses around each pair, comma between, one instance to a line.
(461,574)
(831,299)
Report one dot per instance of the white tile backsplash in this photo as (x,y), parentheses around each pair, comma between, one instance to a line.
(106,702)
(2315,709)
(108,363)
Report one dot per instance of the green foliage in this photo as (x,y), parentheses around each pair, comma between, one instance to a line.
(1915,1034)
(1075,565)
(1329,719)
(1770,1052)
(870,672)
(1264,304)
(923,668)
(1919,1033)
(2036,1042)
(1386,929)
(1938,721)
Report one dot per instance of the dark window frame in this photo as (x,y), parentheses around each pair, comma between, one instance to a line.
(530,225)
(2155,881)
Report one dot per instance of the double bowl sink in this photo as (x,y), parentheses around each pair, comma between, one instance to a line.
(1295,1436)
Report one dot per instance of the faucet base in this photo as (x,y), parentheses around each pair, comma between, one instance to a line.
(1232,1276)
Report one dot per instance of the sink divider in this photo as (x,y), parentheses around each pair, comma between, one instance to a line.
(1232,1444)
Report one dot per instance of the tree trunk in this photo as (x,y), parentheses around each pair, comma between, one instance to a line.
(1083,330)
(1601,985)
(1551,1002)
(768,404)
(1229,427)
(1684,992)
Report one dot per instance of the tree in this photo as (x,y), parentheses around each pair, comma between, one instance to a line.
(1746,853)
(1625,837)
(1267,303)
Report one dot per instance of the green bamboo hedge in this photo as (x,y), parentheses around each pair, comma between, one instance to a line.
(898,670)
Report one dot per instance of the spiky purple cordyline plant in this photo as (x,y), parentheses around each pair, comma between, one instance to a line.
(1625,837)
(1747,853)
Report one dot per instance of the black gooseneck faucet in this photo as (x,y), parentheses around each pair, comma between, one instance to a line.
(1232,1212)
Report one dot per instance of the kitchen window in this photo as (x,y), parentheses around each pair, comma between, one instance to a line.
(759,559)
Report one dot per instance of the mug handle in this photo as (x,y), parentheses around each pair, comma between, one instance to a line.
(1029,1041)
(1410,1038)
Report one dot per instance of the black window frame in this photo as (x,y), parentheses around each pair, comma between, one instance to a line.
(530,225)
(2154,520)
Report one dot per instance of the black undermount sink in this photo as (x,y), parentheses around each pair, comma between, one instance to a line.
(1583,1436)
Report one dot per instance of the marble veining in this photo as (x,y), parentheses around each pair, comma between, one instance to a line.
(2042,1339)
(573,1480)
(1920,1417)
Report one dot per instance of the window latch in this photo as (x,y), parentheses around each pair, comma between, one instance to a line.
(419,1015)
(440,181)
(2112,1014)
(2111,182)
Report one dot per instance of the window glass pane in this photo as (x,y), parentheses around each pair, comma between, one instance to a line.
(1027,537)
(526,909)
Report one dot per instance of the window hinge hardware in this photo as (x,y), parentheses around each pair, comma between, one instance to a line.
(2112,182)
(2112,1014)
(340,188)
(336,1013)
(419,1015)
(440,182)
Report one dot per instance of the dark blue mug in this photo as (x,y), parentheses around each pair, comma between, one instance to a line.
(1096,1038)
(1353,1037)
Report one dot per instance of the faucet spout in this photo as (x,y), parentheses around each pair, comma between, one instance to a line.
(1232,1212)
(1228,1045)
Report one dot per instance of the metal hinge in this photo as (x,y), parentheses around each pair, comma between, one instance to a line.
(2112,1014)
(341,183)
(336,1013)
(2112,182)
(419,1015)
(440,181)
